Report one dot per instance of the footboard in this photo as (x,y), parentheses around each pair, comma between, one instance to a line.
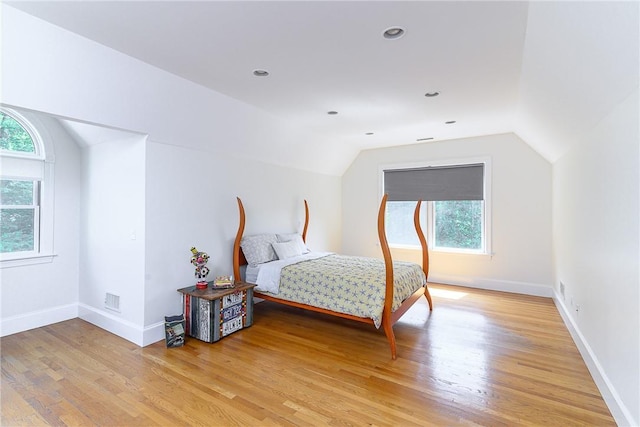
(389,317)
(388,265)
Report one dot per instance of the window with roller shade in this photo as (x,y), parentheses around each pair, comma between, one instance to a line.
(455,215)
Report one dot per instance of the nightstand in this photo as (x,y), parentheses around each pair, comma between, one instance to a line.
(211,314)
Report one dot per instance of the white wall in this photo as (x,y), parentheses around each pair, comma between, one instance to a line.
(191,201)
(112,238)
(521,225)
(188,195)
(52,288)
(596,230)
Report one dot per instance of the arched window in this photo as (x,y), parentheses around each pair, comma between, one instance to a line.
(23,173)
(14,138)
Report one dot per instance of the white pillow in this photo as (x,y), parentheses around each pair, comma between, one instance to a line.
(257,249)
(286,250)
(295,237)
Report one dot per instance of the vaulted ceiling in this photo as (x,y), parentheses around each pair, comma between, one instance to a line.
(547,71)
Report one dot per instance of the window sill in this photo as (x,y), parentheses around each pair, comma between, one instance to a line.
(24,260)
(441,251)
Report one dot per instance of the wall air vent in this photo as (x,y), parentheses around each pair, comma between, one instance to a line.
(112,302)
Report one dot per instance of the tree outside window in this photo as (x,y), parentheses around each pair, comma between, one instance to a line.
(458,224)
(454,214)
(450,225)
(19,196)
(14,137)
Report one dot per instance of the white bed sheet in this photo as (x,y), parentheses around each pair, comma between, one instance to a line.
(250,273)
(267,276)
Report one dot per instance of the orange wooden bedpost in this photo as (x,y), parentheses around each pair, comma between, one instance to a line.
(425,251)
(236,244)
(387,321)
(306,221)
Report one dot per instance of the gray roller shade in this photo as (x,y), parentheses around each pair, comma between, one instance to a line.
(462,182)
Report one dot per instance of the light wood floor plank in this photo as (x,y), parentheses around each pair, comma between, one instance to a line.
(479,358)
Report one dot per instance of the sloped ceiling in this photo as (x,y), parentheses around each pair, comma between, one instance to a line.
(580,60)
(90,134)
(547,71)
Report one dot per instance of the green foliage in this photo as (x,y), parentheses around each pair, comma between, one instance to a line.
(13,137)
(16,224)
(16,230)
(459,224)
(18,213)
(15,192)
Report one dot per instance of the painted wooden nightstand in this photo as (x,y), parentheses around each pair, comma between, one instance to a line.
(211,314)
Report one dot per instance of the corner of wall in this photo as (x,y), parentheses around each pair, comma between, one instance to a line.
(109,322)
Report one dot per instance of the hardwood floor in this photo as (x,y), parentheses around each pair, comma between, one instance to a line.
(480,358)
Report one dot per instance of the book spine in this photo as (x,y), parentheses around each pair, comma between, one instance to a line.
(249,307)
(216,320)
(195,330)
(203,319)
(186,310)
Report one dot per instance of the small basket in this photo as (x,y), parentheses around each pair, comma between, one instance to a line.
(174,328)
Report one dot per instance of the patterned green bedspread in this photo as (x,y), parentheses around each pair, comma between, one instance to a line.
(347,284)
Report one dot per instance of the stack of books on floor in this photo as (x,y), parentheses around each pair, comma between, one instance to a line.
(223,282)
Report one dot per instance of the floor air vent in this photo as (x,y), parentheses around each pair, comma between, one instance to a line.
(112,302)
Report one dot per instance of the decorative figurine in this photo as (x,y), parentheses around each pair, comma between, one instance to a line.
(199,259)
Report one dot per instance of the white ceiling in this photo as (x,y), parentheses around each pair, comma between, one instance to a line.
(497,65)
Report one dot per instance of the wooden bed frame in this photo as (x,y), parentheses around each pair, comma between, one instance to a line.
(389,317)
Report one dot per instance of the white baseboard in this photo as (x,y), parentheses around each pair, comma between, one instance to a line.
(100,318)
(152,334)
(123,328)
(526,288)
(36,319)
(619,411)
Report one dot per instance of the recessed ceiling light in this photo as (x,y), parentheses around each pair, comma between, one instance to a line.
(450,122)
(393,33)
(332,113)
(431,94)
(260,73)
(424,139)
(369,133)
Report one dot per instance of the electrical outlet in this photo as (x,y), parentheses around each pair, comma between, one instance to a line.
(562,290)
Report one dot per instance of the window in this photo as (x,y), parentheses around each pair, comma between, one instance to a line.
(456,208)
(23,173)
(20,215)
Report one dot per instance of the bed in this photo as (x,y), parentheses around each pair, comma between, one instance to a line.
(369,290)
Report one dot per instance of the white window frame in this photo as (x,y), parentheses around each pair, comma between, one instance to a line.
(429,227)
(38,166)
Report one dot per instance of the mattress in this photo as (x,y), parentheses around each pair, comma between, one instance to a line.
(346,284)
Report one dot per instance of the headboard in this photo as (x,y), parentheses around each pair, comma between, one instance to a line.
(238,256)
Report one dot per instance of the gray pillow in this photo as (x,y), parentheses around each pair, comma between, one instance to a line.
(258,248)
